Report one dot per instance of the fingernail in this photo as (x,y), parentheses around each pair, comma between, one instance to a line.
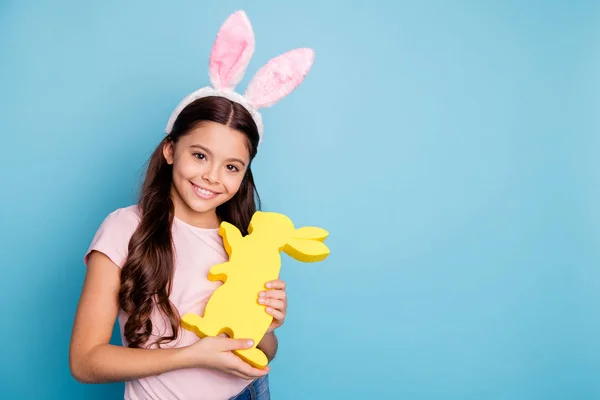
(261,294)
(269,285)
(269,309)
(250,342)
(261,301)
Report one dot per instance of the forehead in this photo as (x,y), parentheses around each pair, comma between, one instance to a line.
(220,139)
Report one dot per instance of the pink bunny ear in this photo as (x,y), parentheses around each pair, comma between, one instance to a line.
(279,77)
(231,51)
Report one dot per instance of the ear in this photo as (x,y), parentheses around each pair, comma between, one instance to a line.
(279,77)
(231,52)
(168,151)
(306,250)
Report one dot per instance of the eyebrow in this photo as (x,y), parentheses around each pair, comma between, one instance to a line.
(199,146)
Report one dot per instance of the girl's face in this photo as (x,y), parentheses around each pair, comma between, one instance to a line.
(209,164)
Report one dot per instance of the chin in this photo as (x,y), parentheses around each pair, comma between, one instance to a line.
(203,206)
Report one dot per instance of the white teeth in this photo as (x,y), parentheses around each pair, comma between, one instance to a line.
(203,191)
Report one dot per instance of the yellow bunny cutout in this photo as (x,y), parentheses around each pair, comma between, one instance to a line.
(254,260)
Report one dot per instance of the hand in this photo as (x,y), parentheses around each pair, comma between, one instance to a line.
(275,299)
(216,353)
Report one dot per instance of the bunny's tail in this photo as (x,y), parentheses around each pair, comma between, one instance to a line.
(200,326)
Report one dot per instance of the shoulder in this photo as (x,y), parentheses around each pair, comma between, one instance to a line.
(121,222)
(113,236)
(125,217)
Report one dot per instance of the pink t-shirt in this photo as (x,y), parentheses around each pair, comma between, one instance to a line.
(195,250)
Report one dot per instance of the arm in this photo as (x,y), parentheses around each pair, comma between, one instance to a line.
(91,358)
(268,345)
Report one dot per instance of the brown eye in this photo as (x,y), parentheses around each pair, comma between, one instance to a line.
(232,168)
(199,156)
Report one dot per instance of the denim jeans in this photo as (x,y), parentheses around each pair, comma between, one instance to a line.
(257,390)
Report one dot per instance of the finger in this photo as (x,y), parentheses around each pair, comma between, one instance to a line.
(274,294)
(273,303)
(248,377)
(246,370)
(278,315)
(236,344)
(239,375)
(276,284)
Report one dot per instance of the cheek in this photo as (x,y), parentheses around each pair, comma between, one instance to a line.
(185,168)
(233,183)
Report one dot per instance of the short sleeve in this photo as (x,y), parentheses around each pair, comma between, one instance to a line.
(113,235)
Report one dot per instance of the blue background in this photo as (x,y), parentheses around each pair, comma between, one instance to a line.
(449,147)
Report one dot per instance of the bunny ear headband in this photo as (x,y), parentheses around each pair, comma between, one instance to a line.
(229,58)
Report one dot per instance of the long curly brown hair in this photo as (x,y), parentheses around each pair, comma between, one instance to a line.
(146,277)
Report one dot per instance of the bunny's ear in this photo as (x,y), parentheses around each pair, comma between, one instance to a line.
(306,250)
(311,233)
(231,52)
(279,77)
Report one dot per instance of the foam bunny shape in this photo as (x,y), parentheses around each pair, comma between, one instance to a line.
(229,57)
(254,260)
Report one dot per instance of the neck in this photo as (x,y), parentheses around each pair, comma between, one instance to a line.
(204,220)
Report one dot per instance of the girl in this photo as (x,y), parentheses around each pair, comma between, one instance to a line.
(148,264)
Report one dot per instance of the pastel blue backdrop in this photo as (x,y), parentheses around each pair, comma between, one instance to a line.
(449,148)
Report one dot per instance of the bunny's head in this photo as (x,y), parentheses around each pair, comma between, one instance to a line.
(304,244)
(274,227)
(230,55)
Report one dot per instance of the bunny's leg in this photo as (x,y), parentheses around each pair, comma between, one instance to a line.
(255,331)
(253,356)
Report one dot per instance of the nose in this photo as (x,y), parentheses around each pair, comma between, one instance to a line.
(211,174)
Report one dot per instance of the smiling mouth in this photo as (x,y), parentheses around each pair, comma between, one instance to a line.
(204,193)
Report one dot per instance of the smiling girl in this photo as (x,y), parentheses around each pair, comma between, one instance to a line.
(148,263)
